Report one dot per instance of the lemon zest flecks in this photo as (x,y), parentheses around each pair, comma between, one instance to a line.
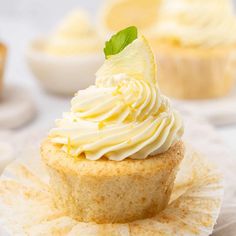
(101,124)
(129,141)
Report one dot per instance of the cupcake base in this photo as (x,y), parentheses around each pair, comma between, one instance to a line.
(196,73)
(27,208)
(105,191)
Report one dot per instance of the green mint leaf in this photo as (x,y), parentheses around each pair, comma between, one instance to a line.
(120,40)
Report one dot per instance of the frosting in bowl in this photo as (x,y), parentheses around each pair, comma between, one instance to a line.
(197,23)
(122,116)
(74,35)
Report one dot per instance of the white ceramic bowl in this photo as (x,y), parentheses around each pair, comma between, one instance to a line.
(62,74)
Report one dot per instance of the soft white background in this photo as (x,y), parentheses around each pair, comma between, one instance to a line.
(43,13)
(22,20)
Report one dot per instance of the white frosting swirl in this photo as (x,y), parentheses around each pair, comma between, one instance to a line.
(201,23)
(120,117)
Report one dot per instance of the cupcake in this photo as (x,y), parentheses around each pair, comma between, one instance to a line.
(74,35)
(195,43)
(2,64)
(114,157)
(68,58)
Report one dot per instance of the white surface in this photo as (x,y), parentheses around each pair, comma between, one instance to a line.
(16,108)
(219,111)
(228,134)
(6,153)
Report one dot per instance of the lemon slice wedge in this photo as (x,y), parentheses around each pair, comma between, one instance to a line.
(118,14)
(136,60)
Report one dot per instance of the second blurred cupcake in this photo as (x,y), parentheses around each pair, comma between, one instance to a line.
(67,60)
(195,44)
(2,65)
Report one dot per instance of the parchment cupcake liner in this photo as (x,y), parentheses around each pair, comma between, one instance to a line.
(196,74)
(26,206)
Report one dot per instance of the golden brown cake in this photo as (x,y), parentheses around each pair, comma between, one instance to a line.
(194,208)
(106,191)
(114,157)
(2,64)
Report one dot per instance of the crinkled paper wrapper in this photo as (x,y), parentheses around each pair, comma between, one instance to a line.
(26,206)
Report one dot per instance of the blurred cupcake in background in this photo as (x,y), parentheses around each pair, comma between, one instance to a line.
(3,51)
(74,35)
(68,59)
(195,43)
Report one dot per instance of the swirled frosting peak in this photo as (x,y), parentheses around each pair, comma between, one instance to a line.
(123,115)
(197,23)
